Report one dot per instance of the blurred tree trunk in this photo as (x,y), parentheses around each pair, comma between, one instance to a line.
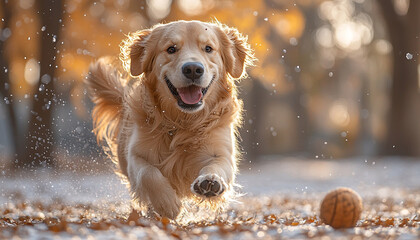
(298,57)
(404,34)
(40,137)
(5,86)
(250,135)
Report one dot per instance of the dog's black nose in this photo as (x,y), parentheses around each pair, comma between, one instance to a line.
(193,70)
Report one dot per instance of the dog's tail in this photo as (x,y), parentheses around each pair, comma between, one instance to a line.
(105,86)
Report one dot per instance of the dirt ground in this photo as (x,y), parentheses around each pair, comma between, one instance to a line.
(282,201)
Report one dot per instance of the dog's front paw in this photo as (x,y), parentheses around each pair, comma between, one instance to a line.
(209,185)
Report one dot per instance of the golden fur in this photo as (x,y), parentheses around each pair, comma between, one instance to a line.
(162,150)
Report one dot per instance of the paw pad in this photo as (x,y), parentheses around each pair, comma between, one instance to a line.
(208,187)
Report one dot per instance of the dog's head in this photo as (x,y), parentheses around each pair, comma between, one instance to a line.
(185,59)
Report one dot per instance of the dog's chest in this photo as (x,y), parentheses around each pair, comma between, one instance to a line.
(158,146)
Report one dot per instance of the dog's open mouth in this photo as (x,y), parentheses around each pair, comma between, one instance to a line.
(190,97)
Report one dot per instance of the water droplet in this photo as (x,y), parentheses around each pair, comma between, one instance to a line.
(409,56)
(45,79)
(5,34)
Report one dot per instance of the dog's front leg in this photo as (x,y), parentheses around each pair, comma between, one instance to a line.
(148,183)
(219,173)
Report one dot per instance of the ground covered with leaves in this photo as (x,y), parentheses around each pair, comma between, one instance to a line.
(256,217)
(46,205)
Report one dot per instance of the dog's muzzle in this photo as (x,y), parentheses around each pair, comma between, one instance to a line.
(189,98)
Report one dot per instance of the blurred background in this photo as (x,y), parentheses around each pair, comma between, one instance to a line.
(335,78)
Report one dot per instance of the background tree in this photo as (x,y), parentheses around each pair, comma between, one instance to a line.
(403,26)
(40,138)
(5,85)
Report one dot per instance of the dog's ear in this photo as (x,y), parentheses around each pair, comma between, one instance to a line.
(236,53)
(134,52)
(138,53)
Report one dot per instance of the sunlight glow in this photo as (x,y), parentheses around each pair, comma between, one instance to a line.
(26,4)
(339,114)
(31,72)
(401,6)
(191,7)
(136,21)
(324,37)
(383,46)
(350,31)
(289,24)
(345,36)
(158,9)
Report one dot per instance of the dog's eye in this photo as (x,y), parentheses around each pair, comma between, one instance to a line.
(171,49)
(209,49)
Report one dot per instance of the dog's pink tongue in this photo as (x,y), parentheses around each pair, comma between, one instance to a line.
(190,95)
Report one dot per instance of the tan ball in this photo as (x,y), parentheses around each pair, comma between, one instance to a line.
(341,208)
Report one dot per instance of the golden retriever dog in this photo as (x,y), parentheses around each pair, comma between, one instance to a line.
(170,117)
